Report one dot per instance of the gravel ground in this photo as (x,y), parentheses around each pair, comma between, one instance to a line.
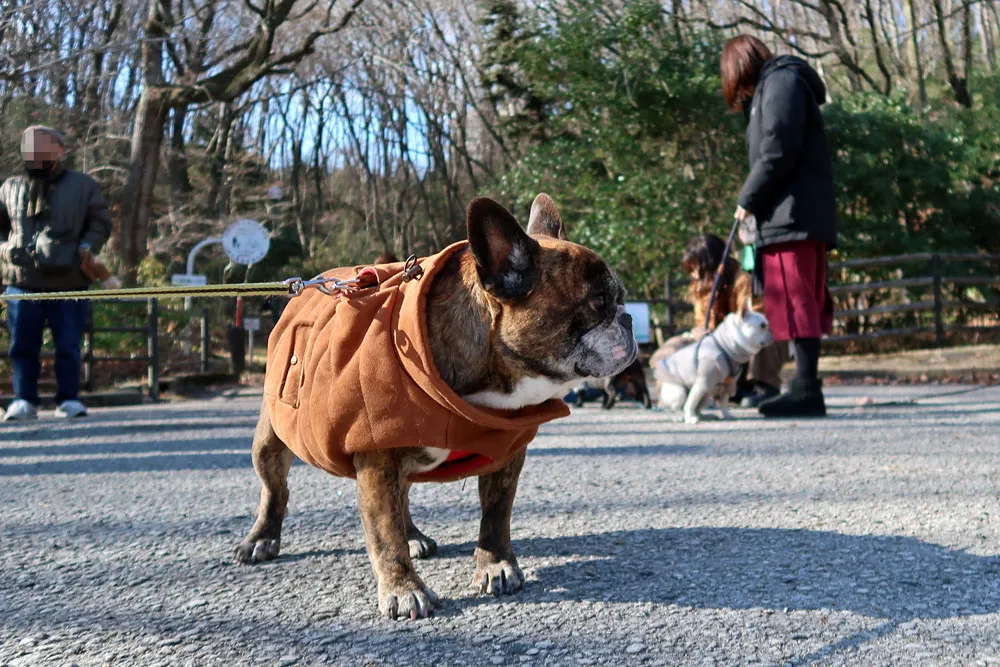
(868,538)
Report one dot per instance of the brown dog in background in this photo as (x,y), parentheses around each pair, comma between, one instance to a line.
(513,320)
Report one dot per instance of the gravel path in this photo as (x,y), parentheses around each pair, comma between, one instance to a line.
(868,538)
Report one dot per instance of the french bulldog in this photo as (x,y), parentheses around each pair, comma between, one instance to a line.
(709,368)
(460,358)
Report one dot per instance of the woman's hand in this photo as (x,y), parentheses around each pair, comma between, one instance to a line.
(748,225)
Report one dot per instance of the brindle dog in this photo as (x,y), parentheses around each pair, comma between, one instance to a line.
(513,320)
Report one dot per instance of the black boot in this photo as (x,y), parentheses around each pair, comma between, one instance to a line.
(761,393)
(804,398)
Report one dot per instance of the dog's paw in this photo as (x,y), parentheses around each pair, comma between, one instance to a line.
(692,419)
(257,551)
(497,578)
(410,600)
(422,546)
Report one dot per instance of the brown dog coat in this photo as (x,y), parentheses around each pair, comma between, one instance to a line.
(349,375)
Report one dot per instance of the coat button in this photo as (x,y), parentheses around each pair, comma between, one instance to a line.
(294,360)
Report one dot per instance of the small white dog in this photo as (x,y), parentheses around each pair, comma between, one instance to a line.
(708,368)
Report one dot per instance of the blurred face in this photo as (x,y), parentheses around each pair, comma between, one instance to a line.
(41,152)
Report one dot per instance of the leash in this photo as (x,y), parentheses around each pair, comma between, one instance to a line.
(292,287)
(912,402)
(719,273)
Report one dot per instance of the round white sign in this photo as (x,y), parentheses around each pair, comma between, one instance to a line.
(246,241)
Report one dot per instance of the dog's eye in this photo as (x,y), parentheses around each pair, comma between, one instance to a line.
(763,326)
(597,304)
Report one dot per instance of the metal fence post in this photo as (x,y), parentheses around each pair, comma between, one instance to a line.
(668,294)
(938,321)
(203,362)
(152,347)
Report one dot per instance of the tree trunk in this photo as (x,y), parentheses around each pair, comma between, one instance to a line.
(180,184)
(216,200)
(147,139)
(914,34)
(959,84)
(873,25)
(137,197)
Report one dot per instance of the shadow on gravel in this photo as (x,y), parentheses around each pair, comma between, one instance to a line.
(194,459)
(138,446)
(627,450)
(890,577)
(82,429)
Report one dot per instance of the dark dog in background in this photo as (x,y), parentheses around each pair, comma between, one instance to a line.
(630,383)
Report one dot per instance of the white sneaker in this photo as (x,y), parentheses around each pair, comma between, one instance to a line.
(70,409)
(20,410)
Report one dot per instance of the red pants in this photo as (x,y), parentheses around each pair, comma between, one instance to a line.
(796,300)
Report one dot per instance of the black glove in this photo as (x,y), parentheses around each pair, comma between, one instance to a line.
(15,255)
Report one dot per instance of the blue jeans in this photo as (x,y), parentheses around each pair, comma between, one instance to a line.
(26,320)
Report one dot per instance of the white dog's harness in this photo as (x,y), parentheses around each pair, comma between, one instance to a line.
(734,369)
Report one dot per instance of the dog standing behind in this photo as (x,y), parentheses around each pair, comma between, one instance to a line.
(709,368)
(632,383)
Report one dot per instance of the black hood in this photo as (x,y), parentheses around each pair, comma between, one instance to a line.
(800,67)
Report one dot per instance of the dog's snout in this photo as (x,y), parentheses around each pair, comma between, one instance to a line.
(625,320)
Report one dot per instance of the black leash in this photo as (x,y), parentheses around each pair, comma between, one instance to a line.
(719,273)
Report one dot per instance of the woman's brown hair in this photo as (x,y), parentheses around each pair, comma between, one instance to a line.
(740,65)
(701,261)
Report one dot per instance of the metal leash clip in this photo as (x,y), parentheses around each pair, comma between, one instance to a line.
(412,270)
(366,278)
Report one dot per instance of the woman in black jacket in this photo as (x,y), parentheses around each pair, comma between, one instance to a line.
(786,205)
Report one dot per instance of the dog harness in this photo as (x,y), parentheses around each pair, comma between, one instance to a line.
(734,370)
(350,375)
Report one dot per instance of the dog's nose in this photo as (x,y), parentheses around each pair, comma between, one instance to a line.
(625,320)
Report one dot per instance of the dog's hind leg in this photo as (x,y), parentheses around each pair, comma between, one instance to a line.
(496,567)
(382,499)
(421,546)
(672,398)
(271,460)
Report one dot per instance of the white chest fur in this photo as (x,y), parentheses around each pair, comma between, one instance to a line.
(437,457)
(529,391)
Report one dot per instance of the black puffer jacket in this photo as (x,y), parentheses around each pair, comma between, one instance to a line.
(77,214)
(790,186)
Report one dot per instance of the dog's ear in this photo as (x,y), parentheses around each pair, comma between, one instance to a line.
(545,219)
(505,255)
(746,308)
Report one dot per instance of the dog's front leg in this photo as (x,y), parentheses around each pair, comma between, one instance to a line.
(382,502)
(724,397)
(695,401)
(496,567)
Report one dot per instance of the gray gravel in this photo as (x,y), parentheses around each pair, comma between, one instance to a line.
(868,538)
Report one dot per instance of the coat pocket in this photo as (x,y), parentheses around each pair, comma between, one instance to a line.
(290,360)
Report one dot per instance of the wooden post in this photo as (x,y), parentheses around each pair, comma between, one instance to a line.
(668,295)
(152,347)
(203,364)
(938,321)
